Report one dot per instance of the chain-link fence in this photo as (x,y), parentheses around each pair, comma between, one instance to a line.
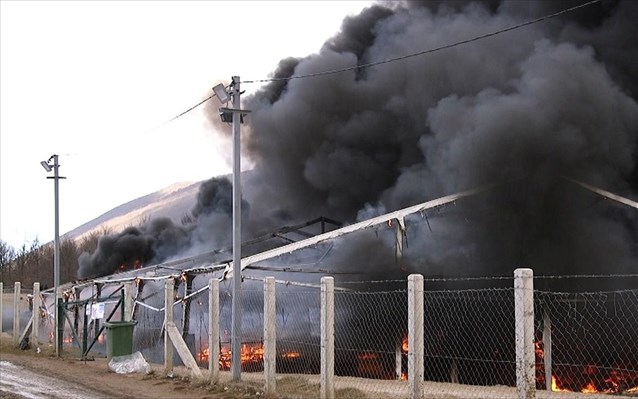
(587,342)
(583,341)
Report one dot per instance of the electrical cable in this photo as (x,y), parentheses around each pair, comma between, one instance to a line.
(447,46)
(403,57)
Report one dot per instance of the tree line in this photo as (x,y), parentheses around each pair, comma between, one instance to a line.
(33,262)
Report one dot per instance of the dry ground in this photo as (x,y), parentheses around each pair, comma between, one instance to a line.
(95,375)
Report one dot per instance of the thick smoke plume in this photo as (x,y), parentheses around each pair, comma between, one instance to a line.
(160,239)
(523,109)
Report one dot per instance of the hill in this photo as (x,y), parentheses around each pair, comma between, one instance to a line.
(171,202)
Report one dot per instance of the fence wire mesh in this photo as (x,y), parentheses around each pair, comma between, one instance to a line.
(584,341)
(298,330)
(370,328)
(587,342)
(469,337)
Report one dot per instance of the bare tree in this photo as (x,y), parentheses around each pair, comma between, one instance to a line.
(69,253)
(143,220)
(89,241)
(188,218)
(7,256)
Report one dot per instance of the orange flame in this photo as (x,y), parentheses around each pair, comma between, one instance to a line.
(291,355)
(137,264)
(250,353)
(617,381)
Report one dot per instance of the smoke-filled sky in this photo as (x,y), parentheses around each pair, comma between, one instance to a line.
(90,80)
(523,109)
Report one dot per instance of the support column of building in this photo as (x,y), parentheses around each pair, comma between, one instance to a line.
(547,349)
(213,330)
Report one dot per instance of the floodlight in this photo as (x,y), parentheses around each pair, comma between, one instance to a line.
(46,166)
(221,93)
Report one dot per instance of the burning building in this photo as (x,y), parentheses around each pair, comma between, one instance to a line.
(527,110)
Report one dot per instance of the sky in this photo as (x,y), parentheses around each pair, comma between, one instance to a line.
(95,82)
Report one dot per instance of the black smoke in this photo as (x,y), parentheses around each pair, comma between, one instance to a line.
(523,109)
(160,239)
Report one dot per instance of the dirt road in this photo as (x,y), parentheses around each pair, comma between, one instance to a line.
(41,375)
(24,383)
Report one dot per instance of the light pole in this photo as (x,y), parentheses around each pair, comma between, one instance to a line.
(235,114)
(56,254)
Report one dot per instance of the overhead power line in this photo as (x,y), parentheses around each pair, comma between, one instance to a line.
(447,46)
(181,114)
(192,108)
(403,57)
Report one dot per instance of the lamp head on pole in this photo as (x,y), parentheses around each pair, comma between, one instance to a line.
(221,93)
(46,166)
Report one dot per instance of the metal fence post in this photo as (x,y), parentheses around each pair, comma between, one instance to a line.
(524,331)
(398,358)
(327,389)
(169,299)
(213,323)
(35,324)
(415,336)
(547,348)
(16,313)
(270,336)
(59,322)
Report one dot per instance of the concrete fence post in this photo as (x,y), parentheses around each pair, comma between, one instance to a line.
(129,299)
(415,336)
(169,299)
(270,336)
(35,324)
(327,388)
(213,330)
(16,313)
(524,332)
(1,304)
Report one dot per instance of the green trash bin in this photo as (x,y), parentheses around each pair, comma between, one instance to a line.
(119,338)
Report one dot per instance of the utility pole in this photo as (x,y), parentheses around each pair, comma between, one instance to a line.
(236,305)
(235,114)
(56,254)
